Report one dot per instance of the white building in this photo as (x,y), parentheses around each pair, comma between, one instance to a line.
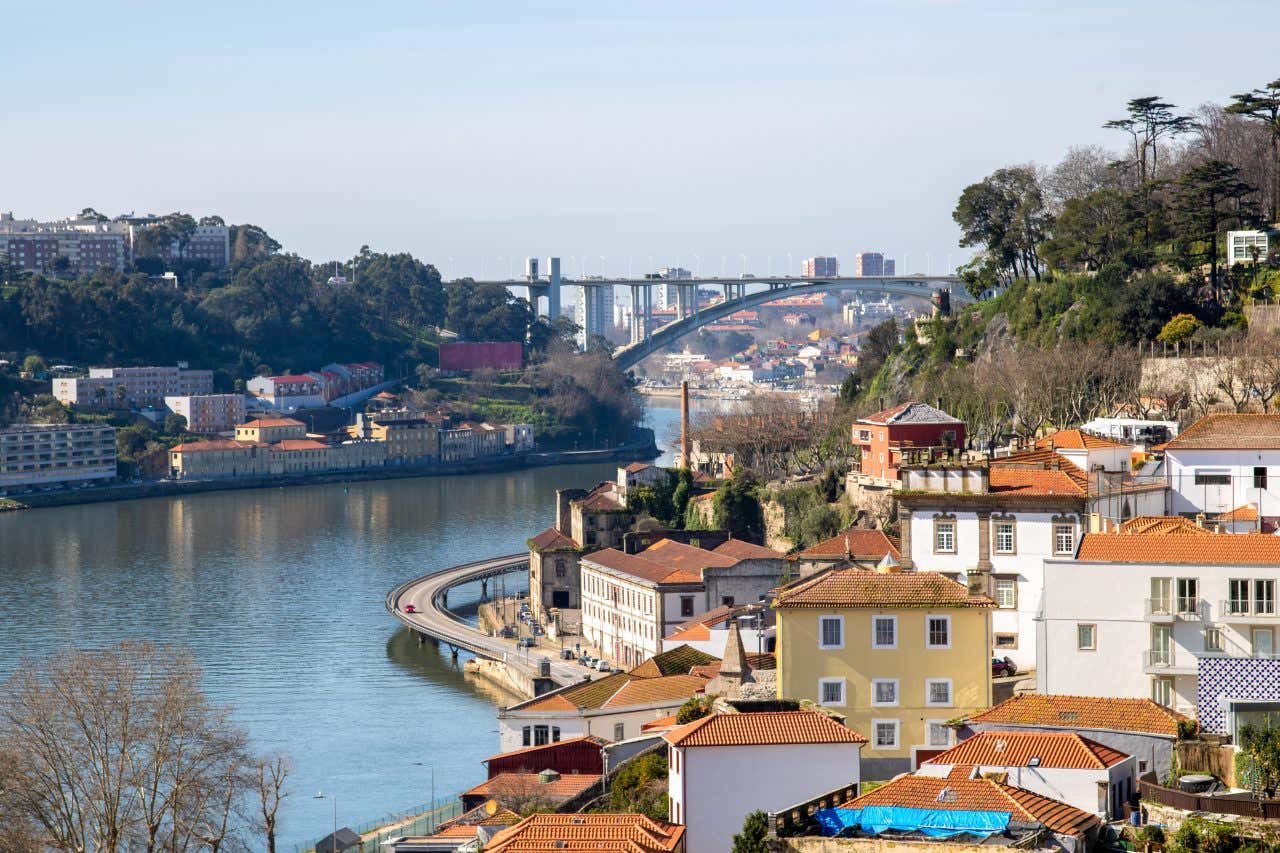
(593,313)
(631,601)
(131,387)
(1083,773)
(208,413)
(1224,461)
(710,631)
(52,454)
(1246,247)
(613,707)
(724,766)
(1133,612)
(994,524)
(287,394)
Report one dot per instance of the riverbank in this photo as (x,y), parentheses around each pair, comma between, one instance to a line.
(644,447)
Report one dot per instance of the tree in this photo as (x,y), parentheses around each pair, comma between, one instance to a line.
(487,312)
(90,213)
(640,786)
(1209,197)
(1150,119)
(119,749)
(736,507)
(755,829)
(175,424)
(270,775)
(1263,105)
(1261,746)
(1005,214)
(34,365)
(694,708)
(1180,328)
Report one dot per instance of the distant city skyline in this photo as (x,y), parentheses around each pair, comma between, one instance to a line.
(608,135)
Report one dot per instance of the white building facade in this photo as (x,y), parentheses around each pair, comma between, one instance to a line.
(1132,615)
(1226,461)
(42,455)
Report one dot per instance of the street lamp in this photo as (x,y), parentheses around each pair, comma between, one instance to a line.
(602,267)
(697,265)
(431,806)
(743,255)
(790,268)
(333,839)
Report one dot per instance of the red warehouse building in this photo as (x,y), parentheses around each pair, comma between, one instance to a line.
(907,430)
(474,355)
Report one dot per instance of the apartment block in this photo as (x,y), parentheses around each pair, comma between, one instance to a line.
(131,387)
(49,454)
(208,412)
(86,244)
(873,264)
(819,267)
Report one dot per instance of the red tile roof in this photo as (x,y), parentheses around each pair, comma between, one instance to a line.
(553,540)
(1062,750)
(214,445)
(637,467)
(1027,481)
(603,497)
(532,750)
(642,691)
(293,445)
(1163,524)
(1075,439)
(293,380)
(854,588)
(665,561)
(761,729)
(1245,512)
(659,679)
(529,784)
(860,543)
(957,793)
(1223,549)
(741,549)
(668,722)
(603,833)
(1084,712)
(273,422)
(1227,431)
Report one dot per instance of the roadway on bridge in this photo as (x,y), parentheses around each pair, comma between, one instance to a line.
(427,593)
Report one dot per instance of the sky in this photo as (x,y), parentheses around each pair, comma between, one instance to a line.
(620,136)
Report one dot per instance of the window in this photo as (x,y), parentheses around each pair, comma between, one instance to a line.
(726,600)
(1212,640)
(830,632)
(686,605)
(619,731)
(937,632)
(1260,477)
(884,734)
(1162,691)
(541,735)
(884,691)
(1264,596)
(1005,641)
(1006,593)
(1237,596)
(937,691)
(938,733)
(830,691)
(560,568)
(944,537)
(1188,595)
(1213,478)
(1064,539)
(884,632)
(1004,537)
(527,735)
(1086,637)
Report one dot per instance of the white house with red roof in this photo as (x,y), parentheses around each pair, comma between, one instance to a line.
(1138,614)
(1225,463)
(993,523)
(724,766)
(1089,775)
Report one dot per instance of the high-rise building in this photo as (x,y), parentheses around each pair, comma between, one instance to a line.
(594,313)
(819,267)
(46,454)
(868,263)
(889,267)
(131,387)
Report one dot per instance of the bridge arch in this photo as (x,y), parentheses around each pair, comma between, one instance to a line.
(629,356)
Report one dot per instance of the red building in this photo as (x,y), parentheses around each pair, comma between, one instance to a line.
(575,755)
(474,355)
(916,432)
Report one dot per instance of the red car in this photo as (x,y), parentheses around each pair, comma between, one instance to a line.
(1003,667)
(409,608)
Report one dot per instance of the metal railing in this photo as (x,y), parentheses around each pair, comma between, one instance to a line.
(1242,607)
(418,820)
(1244,806)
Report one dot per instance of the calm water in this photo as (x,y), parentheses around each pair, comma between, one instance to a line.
(280,594)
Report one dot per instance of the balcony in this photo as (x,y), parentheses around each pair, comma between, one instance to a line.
(1240,612)
(1165,662)
(1178,608)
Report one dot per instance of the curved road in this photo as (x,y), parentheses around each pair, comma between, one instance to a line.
(432,618)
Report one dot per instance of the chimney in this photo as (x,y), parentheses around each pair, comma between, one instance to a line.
(734,666)
(1200,517)
(684,425)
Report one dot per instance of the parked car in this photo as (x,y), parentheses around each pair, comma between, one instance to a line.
(1003,667)
(528,642)
(603,666)
(567,654)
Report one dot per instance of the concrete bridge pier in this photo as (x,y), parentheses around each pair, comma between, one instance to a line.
(484,588)
(637,335)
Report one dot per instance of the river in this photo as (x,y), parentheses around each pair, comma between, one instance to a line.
(279,592)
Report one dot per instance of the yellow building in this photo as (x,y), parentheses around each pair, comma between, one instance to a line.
(897,653)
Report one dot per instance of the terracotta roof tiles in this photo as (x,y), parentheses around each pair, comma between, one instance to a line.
(741,549)
(1084,712)
(1222,549)
(854,588)
(632,833)
(1163,524)
(1229,431)
(1245,512)
(642,691)
(530,750)
(761,729)
(1061,750)
(566,786)
(860,543)
(677,661)
(924,792)
(274,422)
(1075,439)
(553,540)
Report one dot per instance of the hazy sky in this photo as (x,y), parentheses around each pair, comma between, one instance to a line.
(475,133)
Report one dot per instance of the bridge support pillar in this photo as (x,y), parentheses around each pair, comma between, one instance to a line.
(636,315)
(484,588)
(553,289)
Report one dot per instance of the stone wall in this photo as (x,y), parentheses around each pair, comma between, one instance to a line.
(1250,827)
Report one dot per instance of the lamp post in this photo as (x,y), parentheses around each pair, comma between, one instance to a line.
(333,839)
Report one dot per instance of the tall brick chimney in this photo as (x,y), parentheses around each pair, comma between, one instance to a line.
(684,425)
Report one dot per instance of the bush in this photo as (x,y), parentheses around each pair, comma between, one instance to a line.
(754,831)
(641,786)
(694,708)
(1180,328)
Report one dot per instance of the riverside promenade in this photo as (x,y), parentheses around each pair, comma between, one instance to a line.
(431,618)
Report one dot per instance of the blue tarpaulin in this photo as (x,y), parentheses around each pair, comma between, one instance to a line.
(937,823)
